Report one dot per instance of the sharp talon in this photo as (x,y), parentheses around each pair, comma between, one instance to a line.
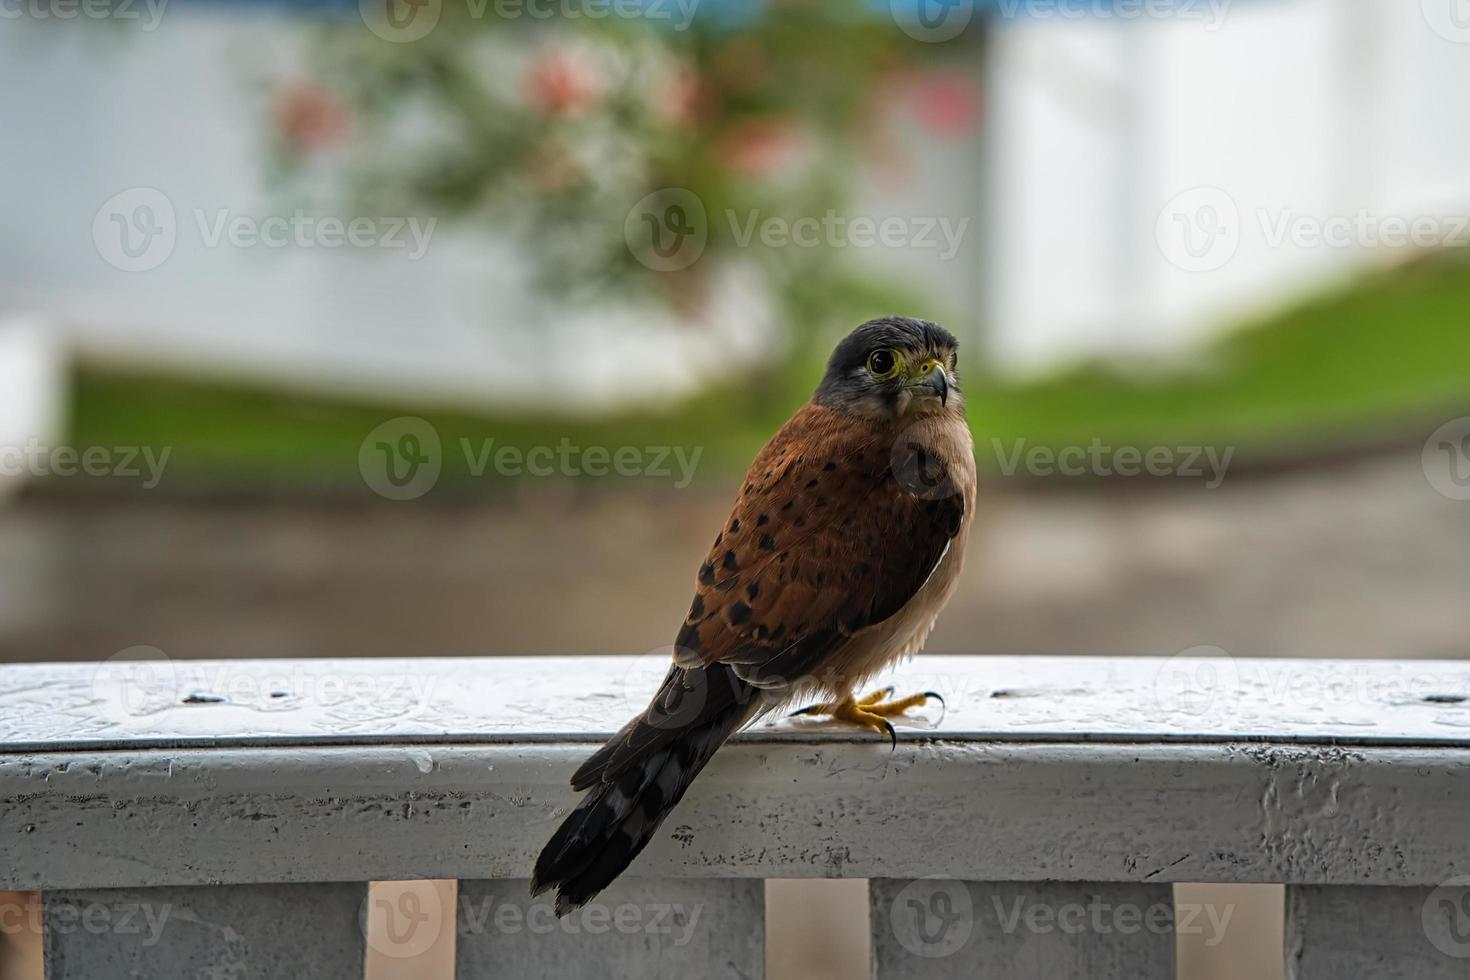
(936,696)
(809,709)
(892,736)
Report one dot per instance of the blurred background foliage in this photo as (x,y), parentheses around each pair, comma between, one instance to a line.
(1349,371)
(545,130)
(541,132)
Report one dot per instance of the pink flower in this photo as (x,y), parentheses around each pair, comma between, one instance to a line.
(683,99)
(310,118)
(762,147)
(948,103)
(560,83)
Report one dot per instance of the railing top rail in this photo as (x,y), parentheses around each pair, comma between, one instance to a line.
(154,702)
(1043,769)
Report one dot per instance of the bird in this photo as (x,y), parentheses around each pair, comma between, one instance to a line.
(845,542)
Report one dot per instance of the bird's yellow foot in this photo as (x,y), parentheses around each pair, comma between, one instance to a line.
(871,712)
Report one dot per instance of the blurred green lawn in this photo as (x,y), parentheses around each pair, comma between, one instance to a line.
(1372,362)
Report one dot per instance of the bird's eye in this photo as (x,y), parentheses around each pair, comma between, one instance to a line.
(882,363)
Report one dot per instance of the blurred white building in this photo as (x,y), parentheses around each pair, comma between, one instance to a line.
(1118,147)
(32,403)
(1135,185)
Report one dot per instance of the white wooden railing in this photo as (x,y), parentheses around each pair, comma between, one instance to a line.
(221,819)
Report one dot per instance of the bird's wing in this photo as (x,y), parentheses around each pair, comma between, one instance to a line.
(835,529)
(837,526)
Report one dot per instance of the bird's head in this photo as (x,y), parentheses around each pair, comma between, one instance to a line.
(893,368)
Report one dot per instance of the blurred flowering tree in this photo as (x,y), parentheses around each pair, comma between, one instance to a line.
(552,132)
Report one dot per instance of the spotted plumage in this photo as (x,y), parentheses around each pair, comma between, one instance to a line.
(843,544)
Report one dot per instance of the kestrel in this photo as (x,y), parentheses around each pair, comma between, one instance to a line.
(845,542)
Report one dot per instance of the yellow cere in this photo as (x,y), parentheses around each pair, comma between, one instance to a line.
(926,367)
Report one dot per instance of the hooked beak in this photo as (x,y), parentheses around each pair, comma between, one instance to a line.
(931,382)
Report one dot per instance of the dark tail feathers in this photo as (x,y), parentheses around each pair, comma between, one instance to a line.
(637,778)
